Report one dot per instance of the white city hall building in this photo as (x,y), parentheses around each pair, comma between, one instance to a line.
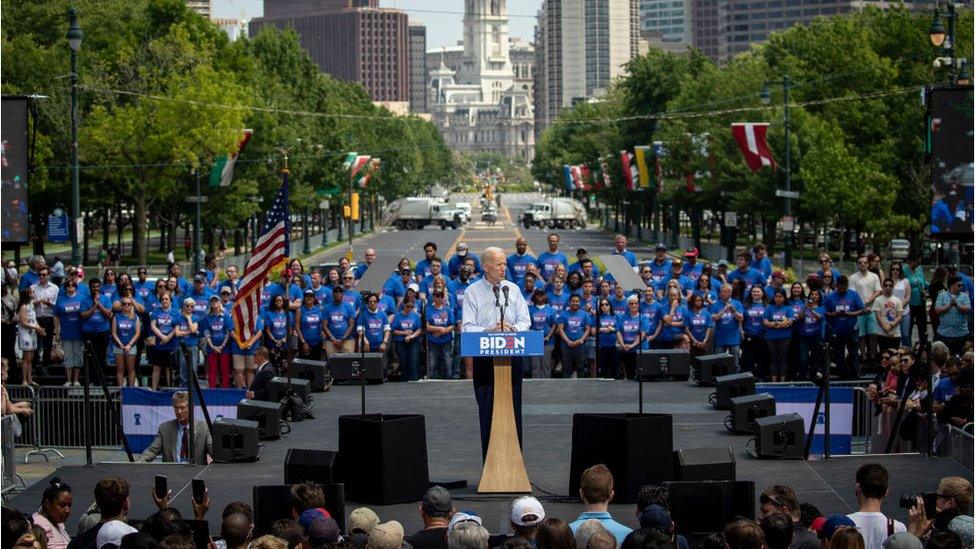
(479,107)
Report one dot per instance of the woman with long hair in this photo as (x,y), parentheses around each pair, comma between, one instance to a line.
(632,328)
(162,323)
(902,290)
(27,331)
(308,327)
(703,288)
(754,349)
(673,336)
(406,329)
(811,334)
(606,328)
(778,321)
(698,325)
(126,328)
(278,324)
(574,282)
(216,331)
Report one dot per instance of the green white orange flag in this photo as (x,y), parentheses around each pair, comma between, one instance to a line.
(223,169)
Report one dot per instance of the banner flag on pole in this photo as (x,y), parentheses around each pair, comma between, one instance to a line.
(641,152)
(223,169)
(568,176)
(631,175)
(751,137)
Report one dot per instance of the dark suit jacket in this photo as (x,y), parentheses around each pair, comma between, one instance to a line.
(261,385)
(165,443)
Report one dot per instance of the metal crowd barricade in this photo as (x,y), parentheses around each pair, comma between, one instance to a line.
(958,444)
(30,436)
(59,414)
(12,482)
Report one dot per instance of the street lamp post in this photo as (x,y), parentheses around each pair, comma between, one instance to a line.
(75,37)
(944,38)
(197,247)
(766,96)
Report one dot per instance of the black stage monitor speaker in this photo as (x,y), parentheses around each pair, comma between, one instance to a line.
(781,437)
(304,464)
(346,368)
(280,387)
(315,371)
(731,386)
(702,507)
(704,464)
(383,458)
(266,414)
(636,448)
(708,367)
(747,409)
(274,502)
(235,440)
(665,363)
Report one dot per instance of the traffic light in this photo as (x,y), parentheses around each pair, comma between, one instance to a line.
(355,206)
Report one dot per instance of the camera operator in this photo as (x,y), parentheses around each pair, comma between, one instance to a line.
(954,497)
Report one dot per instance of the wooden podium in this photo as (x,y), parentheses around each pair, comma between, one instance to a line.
(504,469)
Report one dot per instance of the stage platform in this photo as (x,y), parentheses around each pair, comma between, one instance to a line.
(454,452)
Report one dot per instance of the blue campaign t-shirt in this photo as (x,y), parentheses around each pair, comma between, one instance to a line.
(692,271)
(311,324)
(678,316)
(685,283)
(659,271)
(547,263)
(516,264)
(751,277)
(559,302)
(698,323)
(193,336)
(843,302)
(442,317)
(809,324)
(166,321)
(394,287)
(143,291)
(201,301)
(944,390)
(708,296)
(727,332)
(386,305)
(651,312)
(423,268)
(376,323)
(111,291)
(542,318)
(752,323)
(68,310)
(278,323)
(630,328)
(764,266)
(405,322)
(575,324)
(627,254)
(216,327)
(457,288)
(619,306)
(338,318)
(125,327)
(322,294)
(778,313)
(608,339)
(97,323)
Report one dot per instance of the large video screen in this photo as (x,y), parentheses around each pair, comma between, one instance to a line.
(951,140)
(14,223)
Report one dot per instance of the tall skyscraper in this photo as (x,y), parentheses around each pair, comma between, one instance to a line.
(581,46)
(364,44)
(275,9)
(478,107)
(667,23)
(418,67)
(200,6)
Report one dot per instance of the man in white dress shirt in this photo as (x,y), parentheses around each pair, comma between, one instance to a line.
(480,313)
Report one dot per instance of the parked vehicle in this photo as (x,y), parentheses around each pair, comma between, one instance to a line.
(489,215)
(417,212)
(561,213)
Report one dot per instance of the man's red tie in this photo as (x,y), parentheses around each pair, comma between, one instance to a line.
(185,445)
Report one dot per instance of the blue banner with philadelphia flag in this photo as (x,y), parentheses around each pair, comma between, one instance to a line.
(802,401)
(143,410)
(501,344)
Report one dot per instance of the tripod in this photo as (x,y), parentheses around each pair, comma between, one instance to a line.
(823,396)
(87,415)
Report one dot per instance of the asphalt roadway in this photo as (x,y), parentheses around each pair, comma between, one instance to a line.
(388,241)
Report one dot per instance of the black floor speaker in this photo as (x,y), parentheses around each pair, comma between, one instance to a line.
(281,386)
(704,464)
(732,386)
(383,458)
(234,440)
(636,448)
(271,503)
(305,464)
(346,368)
(266,414)
(315,371)
(708,367)
(664,363)
(747,409)
(781,437)
(702,507)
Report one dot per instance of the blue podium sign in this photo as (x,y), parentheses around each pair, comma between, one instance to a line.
(501,344)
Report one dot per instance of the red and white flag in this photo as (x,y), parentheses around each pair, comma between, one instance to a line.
(751,137)
(631,174)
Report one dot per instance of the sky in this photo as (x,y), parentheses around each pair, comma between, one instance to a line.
(442,17)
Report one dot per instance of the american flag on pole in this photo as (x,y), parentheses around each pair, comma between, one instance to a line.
(272,249)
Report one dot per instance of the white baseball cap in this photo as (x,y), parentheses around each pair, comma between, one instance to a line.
(527,511)
(112,532)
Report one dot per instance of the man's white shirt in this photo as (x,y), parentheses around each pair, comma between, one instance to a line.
(479,313)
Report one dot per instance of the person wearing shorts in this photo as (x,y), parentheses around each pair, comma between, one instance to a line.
(125,334)
(67,324)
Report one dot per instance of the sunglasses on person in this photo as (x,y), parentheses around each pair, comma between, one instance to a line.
(126,303)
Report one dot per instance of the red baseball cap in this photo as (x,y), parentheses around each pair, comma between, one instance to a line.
(691,252)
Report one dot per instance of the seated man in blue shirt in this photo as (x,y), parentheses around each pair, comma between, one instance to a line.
(596,491)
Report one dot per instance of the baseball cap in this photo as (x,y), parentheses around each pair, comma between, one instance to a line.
(817,524)
(657,517)
(337,289)
(198,278)
(527,511)
(437,502)
(413,286)
(902,540)
(691,252)
(462,247)
(214,297)
(226,290)
(321,531)
(463,516)
(111,533)
(676,261)
(309,292)
(386,535)
(189,301)
(834,522)
(722,263)
(660,247)
(362,519)
(779,274)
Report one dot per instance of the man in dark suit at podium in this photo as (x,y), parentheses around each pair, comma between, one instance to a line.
(480,313)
